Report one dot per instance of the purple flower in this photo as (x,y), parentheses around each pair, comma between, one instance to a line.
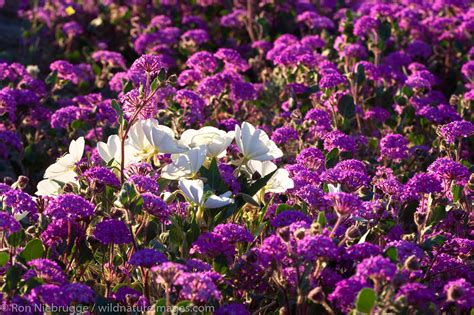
(405,249)
(285,134)
(155,206)
(110,59)
(449,170)
(212,245)
(359,252)
(416,294)
(144,184)
(351,174)
(69,206)
(365,25)
(331,80)
(394,147)
(345,204)
(202,61)
(424,183)
(232,60)
(233,233)
(461,293)
(8,223)
(19,201)
(197,287)
(242,91)
(227,174)
(63,117)
(344,295)
(313,246)
(112,231)
(339,140)
(167,272)
(288,217)
(79,293)
(149,64)
(312,158)
(377,268)
(232,309)
(456,130)
(197,36)
(47,270)
(98,177)
(72,29)
(147,257)
(49,294)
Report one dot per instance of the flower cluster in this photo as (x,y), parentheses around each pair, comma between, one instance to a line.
(241,157)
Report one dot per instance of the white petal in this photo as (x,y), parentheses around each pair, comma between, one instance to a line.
(76,148)
(47,187)
(218,201)
(192,189)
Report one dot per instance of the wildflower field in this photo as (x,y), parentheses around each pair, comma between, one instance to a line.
(237,157)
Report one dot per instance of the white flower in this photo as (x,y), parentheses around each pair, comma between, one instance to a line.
(63,169)
(48,187)
(162,138)
(185,165)
(334,189)
(214,139)
(138,140)
(112,151)
(193,189)
(255,144)
(278,183)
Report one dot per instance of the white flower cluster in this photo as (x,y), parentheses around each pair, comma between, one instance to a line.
(195,148)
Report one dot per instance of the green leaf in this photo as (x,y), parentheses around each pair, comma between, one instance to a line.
(4,257)
(322,219)
(433,241)
(34,249)
(214,178)
(366,300)
(127,87)
(346,106)
(52,78)
(456,190)
(249,199)
(15,239)
(161,75)
(118,109)
(259,184)
(155,84)
(360,74)
(384,31)
(332,157)
(12,278)
(392,253)
(364,237)
(283,207)
(160,306)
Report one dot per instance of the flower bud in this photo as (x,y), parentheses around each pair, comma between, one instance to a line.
(316,295)
(8,180)
(68,188)
(455,292)
(284,233)
(299,233)
(353,232)
(22,182)
(412,263)
(419,218)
